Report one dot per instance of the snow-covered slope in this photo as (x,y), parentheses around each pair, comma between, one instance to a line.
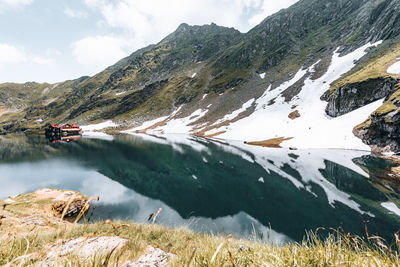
(270,119)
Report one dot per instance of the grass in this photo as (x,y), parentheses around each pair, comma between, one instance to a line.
(373,68)
(25,245)
(193,249)
(391,105)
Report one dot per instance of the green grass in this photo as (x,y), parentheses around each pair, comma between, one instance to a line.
(26,245)
(375,67)
(389,105)
(196,249)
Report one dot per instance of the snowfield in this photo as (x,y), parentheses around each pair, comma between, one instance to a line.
(313,129)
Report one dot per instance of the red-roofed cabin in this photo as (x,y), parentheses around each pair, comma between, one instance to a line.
(63,129)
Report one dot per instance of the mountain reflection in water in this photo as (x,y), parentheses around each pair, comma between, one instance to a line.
(209,185)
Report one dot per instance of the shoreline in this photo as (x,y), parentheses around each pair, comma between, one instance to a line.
(274,143)
(107,133)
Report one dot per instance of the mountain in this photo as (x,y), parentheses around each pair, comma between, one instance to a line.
(319,72)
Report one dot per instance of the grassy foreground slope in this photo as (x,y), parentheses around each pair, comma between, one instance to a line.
(31,235)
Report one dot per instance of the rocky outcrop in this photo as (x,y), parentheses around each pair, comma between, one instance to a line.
(46,207)
(382,130)
(68,210)
(73,246)
(355,95)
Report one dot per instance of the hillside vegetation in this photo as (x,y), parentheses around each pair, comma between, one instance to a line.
(218,69)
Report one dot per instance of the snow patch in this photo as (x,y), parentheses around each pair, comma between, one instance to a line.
(194,75)
(314,129)
(262,75)
(390,206)
(151,123)
(236,113)
(146,125)
(394,69)
(98,126)
(181,125)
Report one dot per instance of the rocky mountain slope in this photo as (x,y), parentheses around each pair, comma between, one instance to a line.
(311,72)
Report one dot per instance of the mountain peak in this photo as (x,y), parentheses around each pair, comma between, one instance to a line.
(186,31)
(183,27)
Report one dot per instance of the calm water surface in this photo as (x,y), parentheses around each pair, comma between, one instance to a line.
(210,186)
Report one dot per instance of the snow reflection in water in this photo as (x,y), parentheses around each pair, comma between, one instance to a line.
(238,189)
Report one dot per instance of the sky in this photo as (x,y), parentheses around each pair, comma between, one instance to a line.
(53,41)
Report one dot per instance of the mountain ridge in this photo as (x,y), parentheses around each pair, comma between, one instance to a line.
(216,70)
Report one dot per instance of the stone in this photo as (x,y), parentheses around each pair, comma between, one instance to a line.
(86,248)
(73,210)
(294,115)
(152,258)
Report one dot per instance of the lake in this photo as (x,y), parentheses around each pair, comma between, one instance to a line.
(212,186)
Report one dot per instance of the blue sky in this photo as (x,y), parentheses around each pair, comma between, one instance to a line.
(52,41)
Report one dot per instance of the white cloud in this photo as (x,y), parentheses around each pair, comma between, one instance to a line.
(4,4)
(53,52)
(146,22)
(98,52)
(151,20)
(42,60)
(94,3)
(11,55)
(15,2)
(76,14)
(269,7)
(18,64)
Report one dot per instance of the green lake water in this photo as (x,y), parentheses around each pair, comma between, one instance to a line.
(211,186)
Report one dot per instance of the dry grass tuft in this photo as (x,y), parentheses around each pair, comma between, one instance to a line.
(194,249)
(273,143)
(21,246)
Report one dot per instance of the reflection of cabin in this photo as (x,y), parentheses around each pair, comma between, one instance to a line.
(63,130)
(58,138)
